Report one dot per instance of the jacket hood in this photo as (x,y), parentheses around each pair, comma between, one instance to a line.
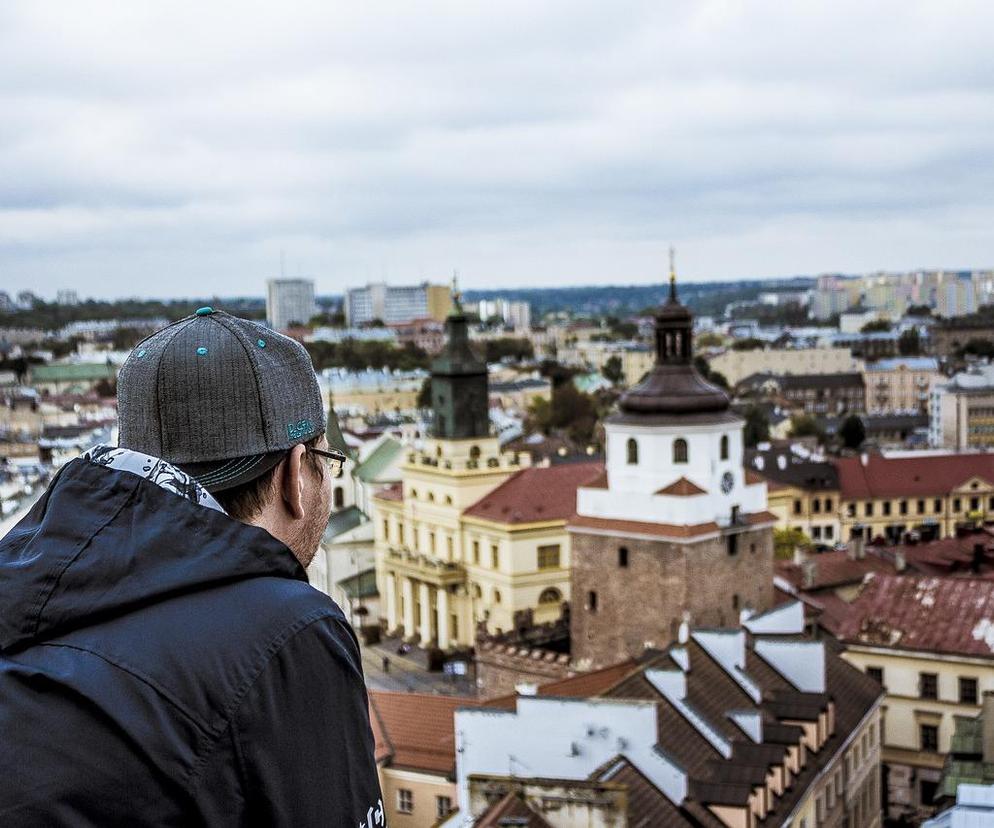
(104,541)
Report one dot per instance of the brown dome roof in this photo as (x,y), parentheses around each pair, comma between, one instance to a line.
(674,386)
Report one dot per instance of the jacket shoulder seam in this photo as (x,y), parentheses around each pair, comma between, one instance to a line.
(144,679)
(238,696)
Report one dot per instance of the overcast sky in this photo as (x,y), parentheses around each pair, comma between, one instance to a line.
(174,149)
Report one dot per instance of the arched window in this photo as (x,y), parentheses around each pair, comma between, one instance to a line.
(679,450)
(633,451)
(724,446)
(474,453)
(339,497)
(550,596)
(477,592)
(414,494)
(431,497)
(496,596)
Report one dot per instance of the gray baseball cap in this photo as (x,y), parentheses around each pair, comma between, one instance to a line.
(221,397)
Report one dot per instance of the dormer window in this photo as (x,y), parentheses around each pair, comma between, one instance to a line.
(680,450)
(633,451)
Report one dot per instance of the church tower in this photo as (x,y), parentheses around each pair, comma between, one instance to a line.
(676,527)
(459,384)
(423,558)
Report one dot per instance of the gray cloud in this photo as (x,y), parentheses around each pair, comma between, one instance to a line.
(176,148)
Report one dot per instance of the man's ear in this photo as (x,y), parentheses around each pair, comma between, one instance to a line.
(292,482)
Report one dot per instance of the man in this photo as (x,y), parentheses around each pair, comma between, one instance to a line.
(163,660)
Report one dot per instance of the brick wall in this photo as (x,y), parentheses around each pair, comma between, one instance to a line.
(499,667)
(643,603)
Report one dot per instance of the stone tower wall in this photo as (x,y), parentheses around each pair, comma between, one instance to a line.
(643,604)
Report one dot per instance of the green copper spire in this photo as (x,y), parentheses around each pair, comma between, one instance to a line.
(459,390)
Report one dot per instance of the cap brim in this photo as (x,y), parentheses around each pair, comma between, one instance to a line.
(218,475)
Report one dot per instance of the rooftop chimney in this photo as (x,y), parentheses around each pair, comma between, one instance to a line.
(900,562)
(978,558)
(809,569)
(856,548)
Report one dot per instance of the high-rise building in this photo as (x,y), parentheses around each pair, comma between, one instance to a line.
(67,297)
(514,314)
(289,301)
(393,305)
(961,411)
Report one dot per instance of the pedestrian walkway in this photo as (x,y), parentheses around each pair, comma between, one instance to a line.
(409,672)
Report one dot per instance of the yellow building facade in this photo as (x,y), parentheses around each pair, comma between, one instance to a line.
(472,536)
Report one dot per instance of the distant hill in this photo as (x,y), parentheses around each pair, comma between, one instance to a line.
(700,297)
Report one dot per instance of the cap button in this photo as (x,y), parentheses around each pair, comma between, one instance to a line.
(205,311)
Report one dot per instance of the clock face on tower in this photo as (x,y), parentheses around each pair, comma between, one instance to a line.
(727,482)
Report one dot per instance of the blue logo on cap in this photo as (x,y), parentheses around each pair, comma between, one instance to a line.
(297,430)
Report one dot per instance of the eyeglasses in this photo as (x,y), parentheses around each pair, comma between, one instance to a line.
(333,457)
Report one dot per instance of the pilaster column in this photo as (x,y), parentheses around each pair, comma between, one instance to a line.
(425,629)
(391,598)
(407,589)
(442,597)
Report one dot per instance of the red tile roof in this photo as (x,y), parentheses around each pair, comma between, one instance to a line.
(832,569)
(910,476)
(585,685)
(395,491)
(942,615)
(948,556)
(752,477)
(660,530)
(638,527)
(682,488)
(536,495)
(415,730)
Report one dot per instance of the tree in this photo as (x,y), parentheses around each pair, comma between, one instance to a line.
(852,431)
(424,395)
(909,343)
(757,427)
(804,425)
(918,310)
(977,347)
(876,326)
(786,541)
(748,344)
(519,349)
(569,410)
(704,369)
(613,371)
(709,339)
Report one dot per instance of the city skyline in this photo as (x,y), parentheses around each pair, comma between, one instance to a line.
(556,145)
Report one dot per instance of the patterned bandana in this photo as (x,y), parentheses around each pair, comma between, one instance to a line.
(154,469)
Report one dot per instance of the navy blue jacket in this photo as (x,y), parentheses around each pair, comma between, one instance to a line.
(163,664)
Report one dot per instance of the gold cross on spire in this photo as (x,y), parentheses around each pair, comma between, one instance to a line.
(673,274)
